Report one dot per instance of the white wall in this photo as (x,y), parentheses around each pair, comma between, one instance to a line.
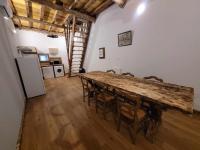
(11,94)
(166,41)
(42,43)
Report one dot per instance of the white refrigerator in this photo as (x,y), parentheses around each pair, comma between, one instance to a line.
(31,76)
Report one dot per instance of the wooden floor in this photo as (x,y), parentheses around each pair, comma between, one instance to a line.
(60,120)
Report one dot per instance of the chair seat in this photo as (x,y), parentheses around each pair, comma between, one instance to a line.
(127,111)
(104,97)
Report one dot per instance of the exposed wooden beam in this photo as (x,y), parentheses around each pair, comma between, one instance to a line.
(42,14)
(65,10)
(89,2)
(72,4)
(38,21)
(65,19)
(121,3)
(101,7)
(41,30)
(53,20)
(67,15)
(14,12)
(29,10)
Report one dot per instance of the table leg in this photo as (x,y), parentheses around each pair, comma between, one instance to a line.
(154,121)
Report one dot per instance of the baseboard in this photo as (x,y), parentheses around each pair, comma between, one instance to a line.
(18,145)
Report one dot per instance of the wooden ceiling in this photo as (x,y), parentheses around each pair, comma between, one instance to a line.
(51,15)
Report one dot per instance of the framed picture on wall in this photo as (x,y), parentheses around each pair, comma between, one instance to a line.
(125,39)
(102,53)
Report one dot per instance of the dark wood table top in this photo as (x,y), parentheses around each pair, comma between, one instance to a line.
(169,94)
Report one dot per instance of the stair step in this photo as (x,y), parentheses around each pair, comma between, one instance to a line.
(80,50)
(80,45)
(82,27)
(79,41)
(77,54)
(74,66)
(80,37)
(82,32)
(76,58)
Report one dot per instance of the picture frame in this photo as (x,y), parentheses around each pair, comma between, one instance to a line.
(125,38)
(102,53)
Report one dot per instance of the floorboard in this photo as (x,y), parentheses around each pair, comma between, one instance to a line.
(60,120)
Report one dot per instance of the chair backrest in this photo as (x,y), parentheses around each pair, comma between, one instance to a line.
(128,74)
(85,83)
(133,99)
(111,71)
(154,78)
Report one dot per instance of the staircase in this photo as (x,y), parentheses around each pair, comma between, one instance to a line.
(76,35)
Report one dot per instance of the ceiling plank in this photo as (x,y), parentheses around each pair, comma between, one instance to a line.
(102,7)
(65,19)
(89,2)
(65,10)
(72,4)
(38,21)
(42,15)
(29,11)
(14,12)
(53,20)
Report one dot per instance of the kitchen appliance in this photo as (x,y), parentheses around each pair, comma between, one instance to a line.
(26,50)
(55,60)
(43,57)
(5,8)
(59,70)
(48,72)
(31,76)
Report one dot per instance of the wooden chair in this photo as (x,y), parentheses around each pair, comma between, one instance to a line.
(110,89)
(132,115)
(111,71)
(154,113)
(104,99)
(88,89)
(128,74)
(145,105)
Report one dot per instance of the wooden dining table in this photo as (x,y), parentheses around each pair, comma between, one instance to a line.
(160,95)
(171,95)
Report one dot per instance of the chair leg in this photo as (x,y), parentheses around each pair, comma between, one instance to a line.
(119,123)
(88,99)
(104,111)
(83,96)
(96,106)
(133,138)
